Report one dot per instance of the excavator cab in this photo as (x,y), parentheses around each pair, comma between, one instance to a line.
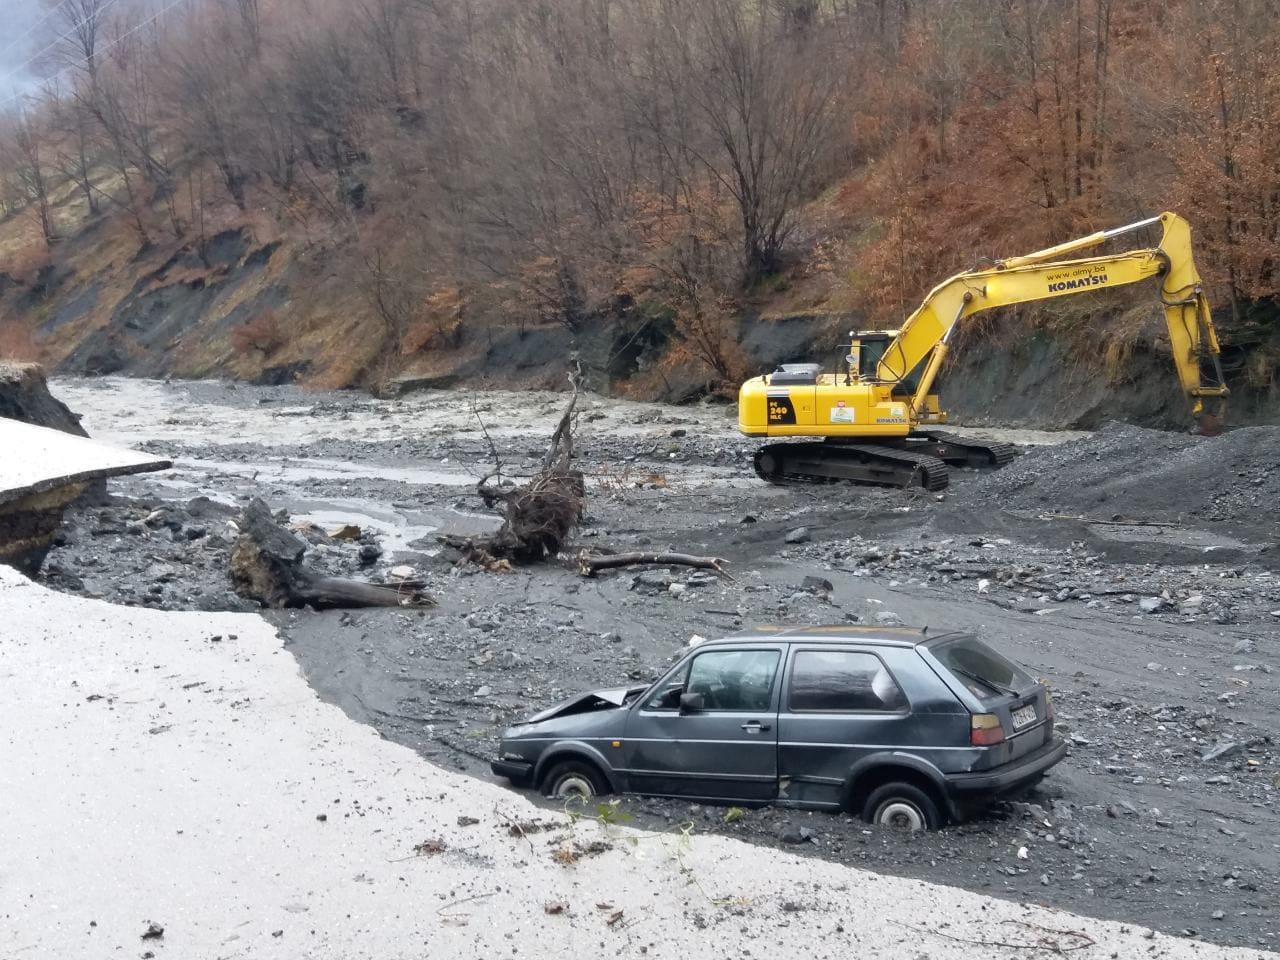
(866,347)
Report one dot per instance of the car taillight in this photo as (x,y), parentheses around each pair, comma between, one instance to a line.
(1048,705)
(985,730)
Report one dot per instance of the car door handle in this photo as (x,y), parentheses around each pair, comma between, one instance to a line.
(754,726)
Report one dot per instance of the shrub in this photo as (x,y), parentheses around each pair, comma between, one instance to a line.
(264,334)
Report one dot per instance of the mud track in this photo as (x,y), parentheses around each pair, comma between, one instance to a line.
(1161,642)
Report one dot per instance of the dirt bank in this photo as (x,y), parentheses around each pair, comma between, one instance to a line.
(1161,643)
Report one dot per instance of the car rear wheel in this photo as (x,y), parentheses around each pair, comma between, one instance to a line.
(901,806)
(574,778)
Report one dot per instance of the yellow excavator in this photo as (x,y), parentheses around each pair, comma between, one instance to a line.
(875,412)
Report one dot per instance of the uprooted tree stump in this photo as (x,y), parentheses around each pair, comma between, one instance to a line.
(539,516)
(266,565)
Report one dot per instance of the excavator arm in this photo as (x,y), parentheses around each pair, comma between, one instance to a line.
(925,336)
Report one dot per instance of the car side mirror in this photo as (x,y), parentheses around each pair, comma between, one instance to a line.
(692,703)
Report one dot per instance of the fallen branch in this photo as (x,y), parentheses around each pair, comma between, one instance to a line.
(1047,940)
(590,565)
(1107,523)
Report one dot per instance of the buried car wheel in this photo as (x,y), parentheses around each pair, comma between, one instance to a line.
(573,778)
(900,806)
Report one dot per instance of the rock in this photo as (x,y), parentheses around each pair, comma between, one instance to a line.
(818,585)
(348,531)
(25,396)
(153,932)
(887,618)
(1247,645)
(484,691)
(402,572)
(369,553)
(1223,749)
(195,532)
(1217,915)
(1152,604)
(798,535)
(792,833)
(676,589)
(157,518)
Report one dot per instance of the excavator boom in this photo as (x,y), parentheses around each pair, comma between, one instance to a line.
(893,398)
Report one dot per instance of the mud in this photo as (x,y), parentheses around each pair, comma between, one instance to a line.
(1161,642)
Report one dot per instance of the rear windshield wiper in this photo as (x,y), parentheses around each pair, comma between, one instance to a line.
(999,688)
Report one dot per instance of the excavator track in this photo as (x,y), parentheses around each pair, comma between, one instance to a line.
(964,451)
(782,463)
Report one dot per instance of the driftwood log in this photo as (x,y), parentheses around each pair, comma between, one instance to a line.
(591,564)
(266,565)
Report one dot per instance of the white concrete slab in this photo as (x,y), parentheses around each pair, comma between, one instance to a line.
(171,768)
(34,459)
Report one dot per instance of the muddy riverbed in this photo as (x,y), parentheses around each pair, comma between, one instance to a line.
(1158,628)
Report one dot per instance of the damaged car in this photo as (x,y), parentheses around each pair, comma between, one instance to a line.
(905,729)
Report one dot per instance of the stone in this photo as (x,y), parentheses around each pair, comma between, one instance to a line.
(1223,749)
(816,585)
(798,535)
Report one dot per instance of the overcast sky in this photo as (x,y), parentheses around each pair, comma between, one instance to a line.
(17,17)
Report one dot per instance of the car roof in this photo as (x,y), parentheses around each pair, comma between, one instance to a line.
(837,633)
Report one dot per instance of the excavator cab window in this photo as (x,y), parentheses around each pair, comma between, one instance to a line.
(867,349)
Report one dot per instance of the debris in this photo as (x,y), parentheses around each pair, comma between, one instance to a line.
(429,848)
(555,907)
(591,565)
(266,565)
(153,932)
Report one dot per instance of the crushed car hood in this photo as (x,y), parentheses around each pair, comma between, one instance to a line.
(608,699)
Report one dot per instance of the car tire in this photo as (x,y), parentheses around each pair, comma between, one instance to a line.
(901,806)
(574,778)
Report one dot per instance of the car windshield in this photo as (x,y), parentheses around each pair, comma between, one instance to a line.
(986,673)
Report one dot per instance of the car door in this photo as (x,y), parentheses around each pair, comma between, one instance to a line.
(727,750)
(838,705)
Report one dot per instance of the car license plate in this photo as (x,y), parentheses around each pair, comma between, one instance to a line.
(1024,716)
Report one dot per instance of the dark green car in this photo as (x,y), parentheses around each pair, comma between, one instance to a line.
(903,729)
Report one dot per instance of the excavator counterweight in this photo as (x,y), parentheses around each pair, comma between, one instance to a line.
(875,417)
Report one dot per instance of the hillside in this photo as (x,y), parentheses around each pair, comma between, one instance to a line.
(683,191)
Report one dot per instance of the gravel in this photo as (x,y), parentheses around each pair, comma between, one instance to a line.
(1136,473)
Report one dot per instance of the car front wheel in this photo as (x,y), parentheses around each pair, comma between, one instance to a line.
(574,778)
(901,806)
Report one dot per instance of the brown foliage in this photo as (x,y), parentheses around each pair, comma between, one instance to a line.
(17,340)
(266,333)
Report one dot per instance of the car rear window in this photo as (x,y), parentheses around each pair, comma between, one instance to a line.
(838,680)
(987,674)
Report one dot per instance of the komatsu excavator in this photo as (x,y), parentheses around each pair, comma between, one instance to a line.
(876,412)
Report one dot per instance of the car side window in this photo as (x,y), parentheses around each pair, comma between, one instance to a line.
(734,679)
(840,680)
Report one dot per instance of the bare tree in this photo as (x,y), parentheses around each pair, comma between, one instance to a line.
(27,161)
